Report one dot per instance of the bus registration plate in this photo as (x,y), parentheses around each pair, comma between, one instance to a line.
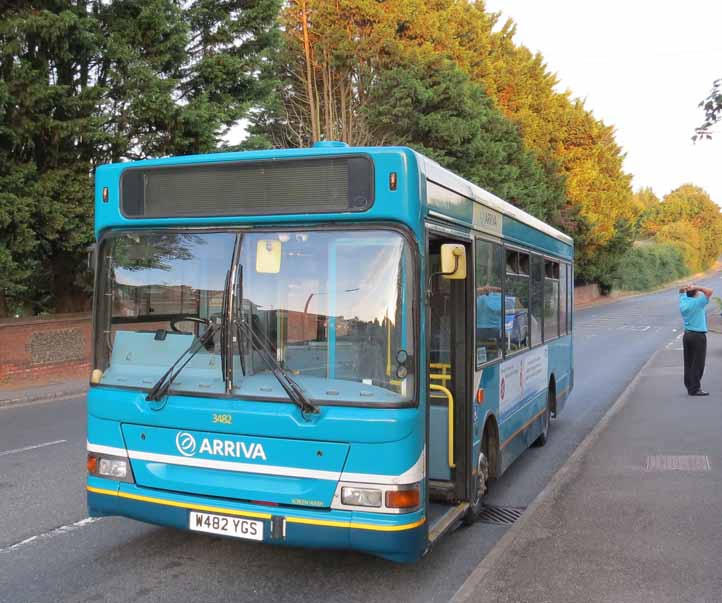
(237,527)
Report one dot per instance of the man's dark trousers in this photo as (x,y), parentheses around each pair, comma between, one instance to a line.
(694,344)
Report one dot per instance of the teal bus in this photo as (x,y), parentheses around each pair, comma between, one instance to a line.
(331,347)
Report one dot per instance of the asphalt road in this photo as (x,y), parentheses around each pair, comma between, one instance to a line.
(49,551)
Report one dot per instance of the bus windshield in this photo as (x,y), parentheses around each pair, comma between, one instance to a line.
(158,292)
(335,311)
(332,307)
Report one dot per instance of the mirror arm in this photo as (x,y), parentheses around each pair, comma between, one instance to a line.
(456,267)
(435,274)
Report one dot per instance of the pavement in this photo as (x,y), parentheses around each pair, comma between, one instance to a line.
(41,391)
(635,514)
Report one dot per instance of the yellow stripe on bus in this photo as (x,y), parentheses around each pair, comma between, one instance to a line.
(173,503)
(300,520)
(359,526)
(522,428)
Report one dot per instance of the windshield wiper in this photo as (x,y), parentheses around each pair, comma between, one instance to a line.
(163,384)
(293,389)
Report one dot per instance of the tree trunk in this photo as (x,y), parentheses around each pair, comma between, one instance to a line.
(68,296)
(312,98)
(3,305)
(345,122)
(327,96)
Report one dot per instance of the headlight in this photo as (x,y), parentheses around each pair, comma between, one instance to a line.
(113,468)
(401,498)
(360,497)
(116,468)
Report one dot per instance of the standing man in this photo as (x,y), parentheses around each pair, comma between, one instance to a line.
(692,306)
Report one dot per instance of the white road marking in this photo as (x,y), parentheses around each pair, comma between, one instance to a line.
(25,448)
(52,533)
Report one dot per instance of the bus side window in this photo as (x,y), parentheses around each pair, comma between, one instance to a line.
(488,268)
(551,300)
(537,299)
(570,298)
(563,299)
(516,300)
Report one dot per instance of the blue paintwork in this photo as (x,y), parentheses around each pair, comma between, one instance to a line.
(439,443)
(516,232)
(513,441)
(385,441)
(400,205)
(401,546)
(254,451)
(272,419)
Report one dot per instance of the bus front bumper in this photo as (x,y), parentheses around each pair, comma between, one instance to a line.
(401,538)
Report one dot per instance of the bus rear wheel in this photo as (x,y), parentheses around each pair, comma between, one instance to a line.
(544,435)
(480,486)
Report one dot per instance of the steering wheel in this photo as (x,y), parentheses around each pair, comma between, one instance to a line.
(177,319)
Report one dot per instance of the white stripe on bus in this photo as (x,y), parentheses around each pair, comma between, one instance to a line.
(234,466)
(107,450)
(412,475)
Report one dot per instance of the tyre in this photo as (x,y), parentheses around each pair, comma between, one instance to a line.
(480,486)
(544,435)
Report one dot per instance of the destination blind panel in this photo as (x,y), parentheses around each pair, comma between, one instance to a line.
(319,185)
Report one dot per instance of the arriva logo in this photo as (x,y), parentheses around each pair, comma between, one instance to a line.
(186,445)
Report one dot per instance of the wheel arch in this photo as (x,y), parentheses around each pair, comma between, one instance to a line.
(553,395)
(491,435)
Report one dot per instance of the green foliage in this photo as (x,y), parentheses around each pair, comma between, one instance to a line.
(644,202)
(432,106)
(595,264)
(87,82)
(688,216)
(685,238)
(645,267)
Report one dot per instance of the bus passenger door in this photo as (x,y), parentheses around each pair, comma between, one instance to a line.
(449,431)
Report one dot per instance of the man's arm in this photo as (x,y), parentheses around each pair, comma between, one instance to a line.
(707,292)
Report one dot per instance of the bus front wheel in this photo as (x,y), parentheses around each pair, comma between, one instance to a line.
(480,485)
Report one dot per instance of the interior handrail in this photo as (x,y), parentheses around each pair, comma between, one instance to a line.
(450,397)
(440,376)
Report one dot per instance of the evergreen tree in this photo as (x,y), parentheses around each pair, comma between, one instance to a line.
(559,130)
(83,82)
(432,106)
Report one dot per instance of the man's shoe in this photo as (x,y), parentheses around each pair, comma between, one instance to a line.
(700,393)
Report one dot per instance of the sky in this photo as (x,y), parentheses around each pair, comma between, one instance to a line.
(641,66)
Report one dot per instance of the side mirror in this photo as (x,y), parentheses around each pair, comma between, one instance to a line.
(268,257)
(453,261)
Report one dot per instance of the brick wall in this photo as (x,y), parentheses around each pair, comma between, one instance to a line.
(42,349)
(586,294)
